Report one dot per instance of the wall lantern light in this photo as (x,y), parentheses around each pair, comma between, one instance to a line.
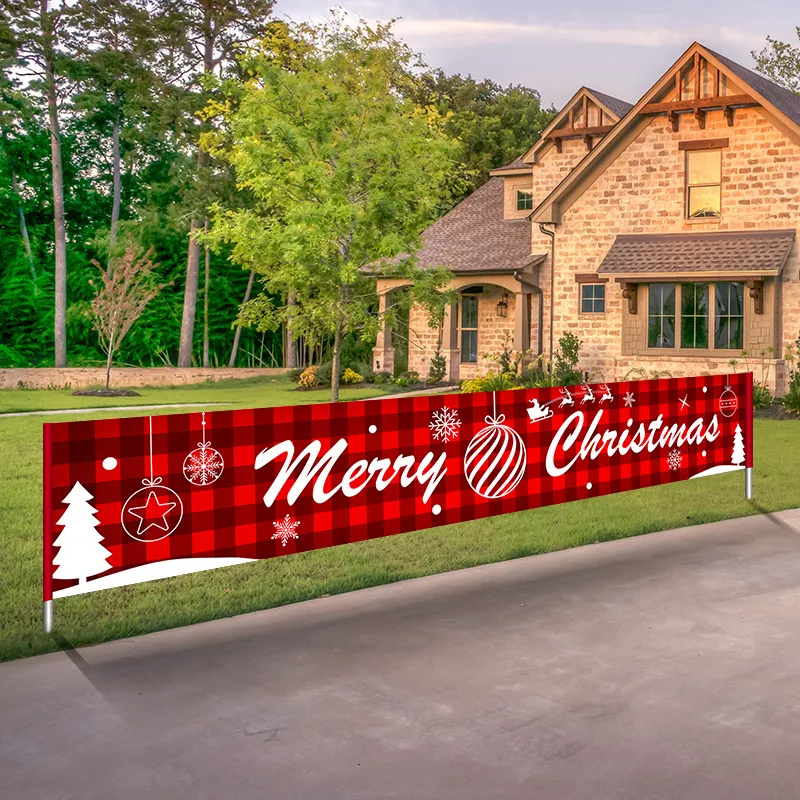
(502,306)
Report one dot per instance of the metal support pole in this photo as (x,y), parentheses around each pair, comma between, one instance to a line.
(47,616)
(748,483)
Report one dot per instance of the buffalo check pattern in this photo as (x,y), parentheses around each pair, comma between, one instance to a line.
(229,518)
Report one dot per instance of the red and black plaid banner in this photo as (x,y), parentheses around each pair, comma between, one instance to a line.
(127,500)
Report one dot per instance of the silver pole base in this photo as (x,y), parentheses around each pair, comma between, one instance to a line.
(47,616)
(748,483)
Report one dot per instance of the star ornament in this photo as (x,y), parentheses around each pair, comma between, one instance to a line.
(153,514)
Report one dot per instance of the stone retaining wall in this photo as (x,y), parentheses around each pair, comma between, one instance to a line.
(124,377)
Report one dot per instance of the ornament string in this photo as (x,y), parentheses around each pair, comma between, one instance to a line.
(151,481)
(205,443)
(494,419)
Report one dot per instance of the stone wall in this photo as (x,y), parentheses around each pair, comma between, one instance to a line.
(124,377)
(642,191)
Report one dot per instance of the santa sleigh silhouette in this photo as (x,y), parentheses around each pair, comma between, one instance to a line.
(539,412)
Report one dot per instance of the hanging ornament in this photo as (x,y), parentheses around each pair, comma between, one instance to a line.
(495,460)
(204,464)
(154,511)
(728,402)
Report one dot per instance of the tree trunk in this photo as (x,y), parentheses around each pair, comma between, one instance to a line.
(108,362)
(337,359)
(206,362)
(238,333)
(117,190)
(23,226)
(60,327)
(291,360)
(190,297)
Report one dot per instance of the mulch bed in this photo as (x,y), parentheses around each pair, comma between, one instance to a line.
(105,393)
(775,411)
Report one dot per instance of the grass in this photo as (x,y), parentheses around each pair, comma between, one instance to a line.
(134,610)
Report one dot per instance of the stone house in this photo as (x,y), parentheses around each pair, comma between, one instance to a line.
(662,233)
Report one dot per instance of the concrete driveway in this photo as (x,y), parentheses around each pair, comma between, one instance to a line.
(666,666)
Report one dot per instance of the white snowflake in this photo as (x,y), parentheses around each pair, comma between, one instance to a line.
(203,466)
(674,460)
(286,529)
(629,399)
(445,424)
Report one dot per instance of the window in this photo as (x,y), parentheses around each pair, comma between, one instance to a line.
(661,315)
(524,200)
(703,178)
(469,329)
(728,316)
(695,310)
(694,315)
(593,298)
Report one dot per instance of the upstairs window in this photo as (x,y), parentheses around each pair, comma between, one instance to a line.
(703,179)
(593,298)
(524,200)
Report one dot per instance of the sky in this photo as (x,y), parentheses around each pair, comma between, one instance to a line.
(620,47)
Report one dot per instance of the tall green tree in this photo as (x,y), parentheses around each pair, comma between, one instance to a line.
(344,171)
(211,34)
(494,124)
(41,32)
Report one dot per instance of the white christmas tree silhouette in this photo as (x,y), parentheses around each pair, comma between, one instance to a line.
(737,457)
(80,552)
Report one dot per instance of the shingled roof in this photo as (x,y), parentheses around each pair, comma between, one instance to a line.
(784,100)
(742,252)
(616,106)
(474,237)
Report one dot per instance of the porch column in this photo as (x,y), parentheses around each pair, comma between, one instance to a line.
(383,352)
(522,321)
(450,348)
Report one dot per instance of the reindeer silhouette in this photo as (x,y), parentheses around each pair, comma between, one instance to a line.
(606,394)
(566,398)
(588,396)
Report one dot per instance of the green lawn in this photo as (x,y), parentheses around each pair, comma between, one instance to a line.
(138,609)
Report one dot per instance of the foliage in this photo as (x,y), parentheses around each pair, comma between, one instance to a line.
(343,172)
(494,124)
(762,397)
(309,378)
(351,376)
(438,368)
(410,378)
(382,378)
(780,62)
(491,382)
(126,289)
(566,357)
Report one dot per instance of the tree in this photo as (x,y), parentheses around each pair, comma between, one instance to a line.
(737,456)
(39,32)
(127,287)
(780,62)
(344,172)
(80,555)
(494,124)
(211,33)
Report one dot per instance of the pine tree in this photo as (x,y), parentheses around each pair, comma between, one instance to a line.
(81,554)
(737,457)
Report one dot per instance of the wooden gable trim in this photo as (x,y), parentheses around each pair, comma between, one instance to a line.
(590,277)
(703,144)
(606,151)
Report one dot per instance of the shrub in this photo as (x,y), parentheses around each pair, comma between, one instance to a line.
(383,377)
(363,368)
(491,382)
(309,378)
(566,357)
(762,397)
(325,373)
(438,368)
(406,379)
(295,374)
(351,376)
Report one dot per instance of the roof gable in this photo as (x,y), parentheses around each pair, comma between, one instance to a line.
(723,84)
(587,108)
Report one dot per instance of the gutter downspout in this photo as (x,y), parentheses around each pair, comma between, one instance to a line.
(552,236)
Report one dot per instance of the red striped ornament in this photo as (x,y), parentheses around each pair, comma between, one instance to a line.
(495,460)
